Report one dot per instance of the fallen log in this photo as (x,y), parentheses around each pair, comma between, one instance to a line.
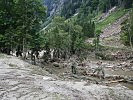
(114,77)
(116,81)
(91,74)
(128,81)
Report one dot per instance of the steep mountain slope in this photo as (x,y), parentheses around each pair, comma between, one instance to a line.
(65,8)
(114,28)
(85,10)
(111,28)
(54,6)
(111,34)
(68,8)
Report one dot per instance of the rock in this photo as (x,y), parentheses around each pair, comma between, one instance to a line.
(131,61)
(55,64)
(65,65)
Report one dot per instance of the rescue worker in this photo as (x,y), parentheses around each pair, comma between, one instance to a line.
(73,67)
(99,70)
(33,57)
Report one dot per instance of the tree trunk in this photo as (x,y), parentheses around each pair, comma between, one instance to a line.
(24,48)
(131,42)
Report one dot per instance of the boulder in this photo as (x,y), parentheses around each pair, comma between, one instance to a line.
(55,64)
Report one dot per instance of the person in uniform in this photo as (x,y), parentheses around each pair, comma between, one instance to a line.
(73,67)
(99,70)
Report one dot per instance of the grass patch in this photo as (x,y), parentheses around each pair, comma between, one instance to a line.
(111,18)
(97,16)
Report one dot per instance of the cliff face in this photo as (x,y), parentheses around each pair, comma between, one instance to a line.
(54,6)
(66,8)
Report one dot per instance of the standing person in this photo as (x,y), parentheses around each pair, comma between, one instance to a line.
(33,57)
(73,67)
(99,70)
(37,54)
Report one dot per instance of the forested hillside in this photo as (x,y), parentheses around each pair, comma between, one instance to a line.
(20,22)
(69,7)
(76,21)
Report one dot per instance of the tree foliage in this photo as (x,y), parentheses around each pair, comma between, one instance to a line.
(127,30)
(20,21)
(71,7)
(65,37)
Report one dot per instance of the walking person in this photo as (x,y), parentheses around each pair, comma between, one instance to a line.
(73,67)
(99,70)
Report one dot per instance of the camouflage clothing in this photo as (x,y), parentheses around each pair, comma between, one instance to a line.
(99,70)
(73,67)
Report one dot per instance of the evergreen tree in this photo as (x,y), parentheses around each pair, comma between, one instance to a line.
(20,22)
(127,30)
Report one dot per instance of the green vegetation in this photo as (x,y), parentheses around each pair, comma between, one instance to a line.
(97,40)
(111,18)
(71,7)
(21,23)
(65,37)
(127,30)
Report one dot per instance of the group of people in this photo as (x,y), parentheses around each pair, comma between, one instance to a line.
(99,70)
(5,50)
(36,54)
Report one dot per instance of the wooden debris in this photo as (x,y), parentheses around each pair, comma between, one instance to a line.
(116,81)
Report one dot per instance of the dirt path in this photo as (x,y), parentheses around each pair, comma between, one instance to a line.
(18,82)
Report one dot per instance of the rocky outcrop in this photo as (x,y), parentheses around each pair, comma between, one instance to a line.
(105,15)
(54,6)
(114,28)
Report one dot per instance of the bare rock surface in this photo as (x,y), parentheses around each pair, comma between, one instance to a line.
(19,82)
(111,34)
(114,28)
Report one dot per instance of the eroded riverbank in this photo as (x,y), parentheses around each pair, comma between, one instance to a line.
(20,80)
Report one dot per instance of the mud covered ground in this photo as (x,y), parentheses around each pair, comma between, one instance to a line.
(20,80)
